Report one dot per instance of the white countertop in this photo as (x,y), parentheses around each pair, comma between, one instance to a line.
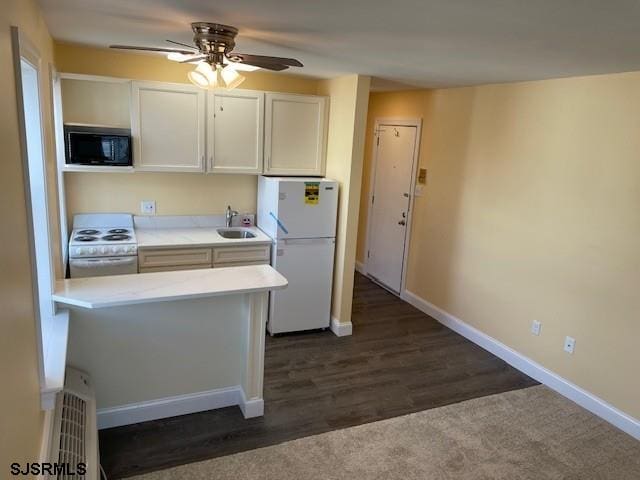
(119,290)
(195,237)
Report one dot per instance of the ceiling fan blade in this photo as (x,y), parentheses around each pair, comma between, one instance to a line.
(183,44)
(152,49)
(276,67)
(194,59)
(253,59)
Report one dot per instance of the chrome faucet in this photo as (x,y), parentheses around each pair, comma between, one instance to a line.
(229,215)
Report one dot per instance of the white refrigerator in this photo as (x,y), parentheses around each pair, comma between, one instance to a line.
(299,214)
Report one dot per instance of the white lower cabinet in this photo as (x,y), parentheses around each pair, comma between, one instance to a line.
(246,254)
(169,259)
(168,127)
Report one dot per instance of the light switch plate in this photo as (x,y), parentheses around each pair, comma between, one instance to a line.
(148,207)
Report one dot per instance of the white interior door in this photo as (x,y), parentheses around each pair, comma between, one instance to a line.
(390,204)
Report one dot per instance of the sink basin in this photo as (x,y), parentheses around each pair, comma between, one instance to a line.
(235,233)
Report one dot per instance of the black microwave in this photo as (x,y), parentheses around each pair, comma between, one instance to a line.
(86,145)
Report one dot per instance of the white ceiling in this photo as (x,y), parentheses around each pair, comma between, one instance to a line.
(415,43)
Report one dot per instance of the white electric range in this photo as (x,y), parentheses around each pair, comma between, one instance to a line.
(102,244)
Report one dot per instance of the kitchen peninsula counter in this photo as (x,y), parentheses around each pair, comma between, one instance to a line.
(163,344)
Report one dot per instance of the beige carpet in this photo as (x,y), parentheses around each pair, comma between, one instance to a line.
(526,434)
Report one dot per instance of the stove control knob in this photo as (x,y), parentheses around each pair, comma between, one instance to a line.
(79,251)
(114,249)
(103,250)
(132,249)
(93,251)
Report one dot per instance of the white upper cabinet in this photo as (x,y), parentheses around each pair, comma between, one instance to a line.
(168,127)
(295,134)
(235,131)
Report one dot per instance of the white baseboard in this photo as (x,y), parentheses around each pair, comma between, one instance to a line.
(174,406)
(341,329)
(251,408)
(543,375)
(360,267)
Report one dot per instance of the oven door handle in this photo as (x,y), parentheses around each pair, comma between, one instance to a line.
(102,262)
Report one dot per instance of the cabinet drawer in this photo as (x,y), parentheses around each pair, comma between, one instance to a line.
(254,253)
(240,264)
(171,268)
(174,257)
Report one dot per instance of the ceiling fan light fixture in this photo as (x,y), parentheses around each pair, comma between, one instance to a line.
(202,76)
(222,78)
(231,77)
(219,82)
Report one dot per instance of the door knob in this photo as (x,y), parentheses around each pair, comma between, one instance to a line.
(402,222)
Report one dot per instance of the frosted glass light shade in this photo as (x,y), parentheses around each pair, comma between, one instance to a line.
(204,76)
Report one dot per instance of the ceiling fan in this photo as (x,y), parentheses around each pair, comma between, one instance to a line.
(218,64)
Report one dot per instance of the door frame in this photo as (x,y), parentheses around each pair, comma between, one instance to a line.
(400,122)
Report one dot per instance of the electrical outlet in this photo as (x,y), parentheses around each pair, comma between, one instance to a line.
(148,207)
(535,327)
(569,344)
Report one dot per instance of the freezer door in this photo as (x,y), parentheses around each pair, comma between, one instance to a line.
(307,208)
(306,302)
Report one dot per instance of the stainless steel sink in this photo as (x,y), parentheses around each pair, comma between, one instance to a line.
(235,233)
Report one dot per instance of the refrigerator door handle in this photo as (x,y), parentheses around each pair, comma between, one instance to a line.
(280,224)
(307,241)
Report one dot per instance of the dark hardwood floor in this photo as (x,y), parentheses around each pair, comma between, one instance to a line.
(398,361)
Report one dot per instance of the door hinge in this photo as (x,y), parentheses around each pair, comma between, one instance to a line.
(373,199)
(368,254)
(378,141)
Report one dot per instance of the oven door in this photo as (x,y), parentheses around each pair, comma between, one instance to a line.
(98,267)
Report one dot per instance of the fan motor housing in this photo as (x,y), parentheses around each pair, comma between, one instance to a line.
(212,38)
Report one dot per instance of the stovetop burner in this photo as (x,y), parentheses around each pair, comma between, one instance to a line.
(91,231)
(85,238)
(116,237)
(118,230)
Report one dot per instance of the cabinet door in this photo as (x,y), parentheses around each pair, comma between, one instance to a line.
(235,132)
(150,258)
(168,127)
(295,134)
(241,254)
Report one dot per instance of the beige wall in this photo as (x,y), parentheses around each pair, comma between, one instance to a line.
(21,420)
(175,194)
(531,212)
(347,121)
